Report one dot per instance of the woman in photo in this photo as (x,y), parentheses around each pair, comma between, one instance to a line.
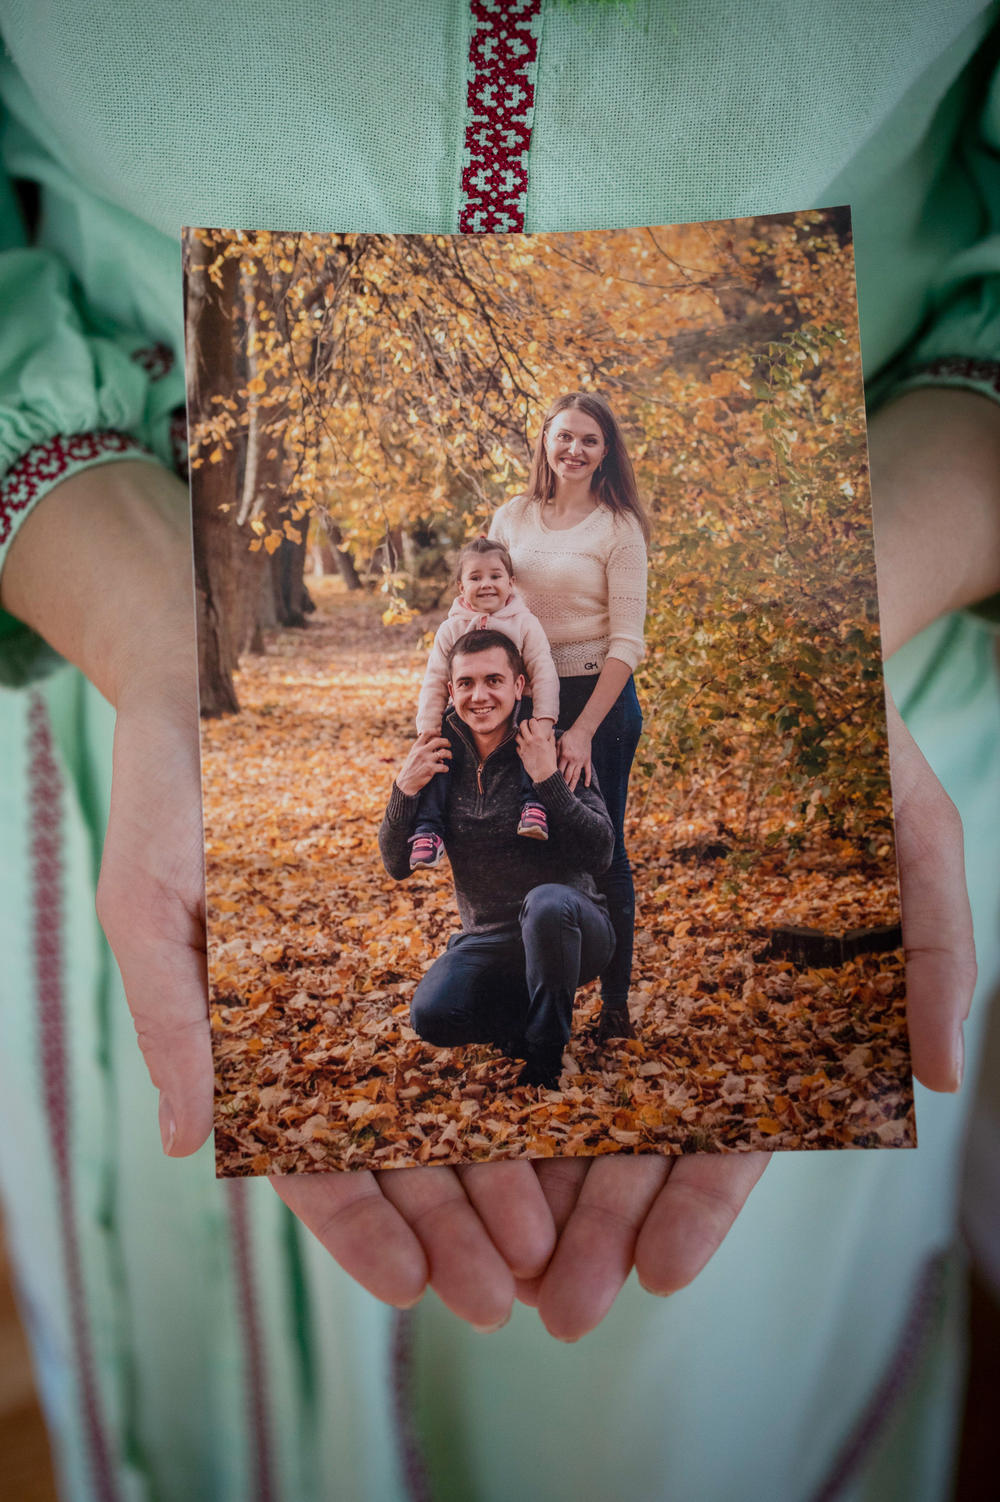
(577,538)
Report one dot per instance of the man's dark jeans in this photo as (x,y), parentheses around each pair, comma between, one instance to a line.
(518,982)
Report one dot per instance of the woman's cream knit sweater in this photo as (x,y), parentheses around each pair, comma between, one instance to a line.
(586,584)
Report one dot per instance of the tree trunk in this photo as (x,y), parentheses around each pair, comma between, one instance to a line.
(223,561)
(346,569)
(341,555)
(288,571)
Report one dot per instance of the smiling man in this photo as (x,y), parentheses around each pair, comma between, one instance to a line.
(533,925)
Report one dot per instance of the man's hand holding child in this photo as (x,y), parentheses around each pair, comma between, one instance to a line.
(428,755)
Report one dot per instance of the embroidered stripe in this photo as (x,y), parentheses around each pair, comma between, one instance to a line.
(45,792)
(256,1386)
(896,1378)
(157,360)
(413,1463)
(40,467)
(503,54)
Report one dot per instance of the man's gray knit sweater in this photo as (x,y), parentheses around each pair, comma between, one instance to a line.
(493,867)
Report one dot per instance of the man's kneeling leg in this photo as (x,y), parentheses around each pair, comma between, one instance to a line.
(568,939)
(472,993)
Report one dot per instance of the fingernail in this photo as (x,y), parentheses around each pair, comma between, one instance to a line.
(959,1062)
(491,1329)
(168,1125)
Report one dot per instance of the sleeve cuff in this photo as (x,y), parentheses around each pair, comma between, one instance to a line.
(24,656)
(401,807)
(555,794)
(962,371)
(41,467)
(628,652)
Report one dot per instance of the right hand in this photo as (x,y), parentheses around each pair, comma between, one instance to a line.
(101,569)
(428,755)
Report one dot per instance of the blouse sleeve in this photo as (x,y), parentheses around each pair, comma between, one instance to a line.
(71,397)
(626,569)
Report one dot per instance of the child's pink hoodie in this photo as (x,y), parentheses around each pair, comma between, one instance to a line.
(515,620)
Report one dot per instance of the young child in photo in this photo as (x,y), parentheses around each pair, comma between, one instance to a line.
(487,599)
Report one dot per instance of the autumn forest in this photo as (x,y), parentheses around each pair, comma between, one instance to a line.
(359,405)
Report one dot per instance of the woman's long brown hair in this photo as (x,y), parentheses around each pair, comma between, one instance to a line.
(613,484)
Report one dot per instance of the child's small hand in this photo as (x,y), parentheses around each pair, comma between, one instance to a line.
(537,749)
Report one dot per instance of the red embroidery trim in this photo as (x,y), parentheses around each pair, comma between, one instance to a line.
(41,466)
(45,794)
(962,368)
(157,360)
(256,1385)
(414,1466)
(925,1304)
(503,50)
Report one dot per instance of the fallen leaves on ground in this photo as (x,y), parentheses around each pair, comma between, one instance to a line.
(315,953)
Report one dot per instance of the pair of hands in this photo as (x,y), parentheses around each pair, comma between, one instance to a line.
(430,754)
(561,1235)
(101,569)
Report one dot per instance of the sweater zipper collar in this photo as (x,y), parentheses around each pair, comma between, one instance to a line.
(464,735)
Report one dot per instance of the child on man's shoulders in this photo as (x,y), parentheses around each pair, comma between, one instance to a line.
(487,599)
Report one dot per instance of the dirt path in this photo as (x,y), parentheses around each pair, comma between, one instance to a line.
(315,953)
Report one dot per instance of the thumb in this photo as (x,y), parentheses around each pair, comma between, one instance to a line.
(150,901)
(937,921)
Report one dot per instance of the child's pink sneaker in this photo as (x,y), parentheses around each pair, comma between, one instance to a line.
(533,823)
(426,850)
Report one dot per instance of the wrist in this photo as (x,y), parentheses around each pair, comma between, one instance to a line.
(935,460)
(101,569)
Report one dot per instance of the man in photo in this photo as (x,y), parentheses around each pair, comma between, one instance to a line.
(534,927)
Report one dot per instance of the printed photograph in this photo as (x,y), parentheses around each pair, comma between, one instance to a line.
(545,776)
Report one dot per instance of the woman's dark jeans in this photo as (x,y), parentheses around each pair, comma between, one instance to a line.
(612,752)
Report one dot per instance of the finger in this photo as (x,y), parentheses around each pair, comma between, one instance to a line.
(937,920)
(150,902)
(560,1180)
(511,1205)
(466,1270)
(361,1230)
(587,777)
(689,1218)
(594,1254)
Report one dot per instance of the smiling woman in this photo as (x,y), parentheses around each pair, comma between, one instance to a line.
(577,538)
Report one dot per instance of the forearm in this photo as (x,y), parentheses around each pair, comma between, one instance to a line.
(395,830)
(611,680)
(935,460)
(101,569)
(584,830)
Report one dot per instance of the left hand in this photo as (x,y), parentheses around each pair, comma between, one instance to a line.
(574,756)
(537,749)
(669,1215)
